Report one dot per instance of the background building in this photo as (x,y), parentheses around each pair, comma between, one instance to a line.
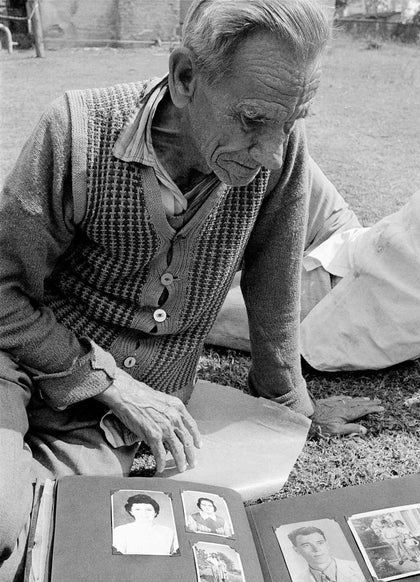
(101,22)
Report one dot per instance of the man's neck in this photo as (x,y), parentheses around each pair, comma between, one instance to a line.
(175,148)
(324,569)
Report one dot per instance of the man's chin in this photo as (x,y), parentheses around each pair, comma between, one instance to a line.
(242,178)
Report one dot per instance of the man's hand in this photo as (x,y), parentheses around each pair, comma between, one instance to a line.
(161,420)
(332,415)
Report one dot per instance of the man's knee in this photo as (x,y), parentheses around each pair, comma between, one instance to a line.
(16,492)
(15,511)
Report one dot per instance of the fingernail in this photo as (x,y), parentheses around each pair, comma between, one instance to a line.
(363,430)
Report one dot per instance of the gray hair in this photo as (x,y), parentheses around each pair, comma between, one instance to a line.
(213,29)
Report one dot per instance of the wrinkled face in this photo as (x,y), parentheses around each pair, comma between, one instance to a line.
(314,548)
(206,506)
(243,122)
(143,512)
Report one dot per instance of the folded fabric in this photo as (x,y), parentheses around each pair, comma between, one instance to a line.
(371,319)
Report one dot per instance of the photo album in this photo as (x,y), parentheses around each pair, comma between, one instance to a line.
(153,529)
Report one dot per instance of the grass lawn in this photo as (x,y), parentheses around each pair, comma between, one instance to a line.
(364,132)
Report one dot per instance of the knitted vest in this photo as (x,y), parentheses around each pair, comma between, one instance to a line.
(108,283)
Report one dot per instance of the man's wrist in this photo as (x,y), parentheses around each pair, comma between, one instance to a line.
(109,396)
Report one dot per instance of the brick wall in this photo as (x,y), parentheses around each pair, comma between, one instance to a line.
(92,20)
(147,19)
(79,19)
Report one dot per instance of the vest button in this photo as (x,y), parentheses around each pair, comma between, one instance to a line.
(166,279)
(129,362)
(159,315)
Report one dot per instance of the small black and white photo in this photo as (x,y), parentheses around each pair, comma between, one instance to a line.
(317,551)
(206,513)
(143,523)
(217,563)
(389,540)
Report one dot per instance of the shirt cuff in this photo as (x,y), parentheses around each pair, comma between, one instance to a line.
(88,376)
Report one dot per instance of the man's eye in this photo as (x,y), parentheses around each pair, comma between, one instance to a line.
(250,120)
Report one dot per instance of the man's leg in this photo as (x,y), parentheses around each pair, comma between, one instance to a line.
(230,329)
(71,442)
(16,471)
(38,442)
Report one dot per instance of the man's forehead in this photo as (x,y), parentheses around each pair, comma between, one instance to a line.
(307,538)
(269,82)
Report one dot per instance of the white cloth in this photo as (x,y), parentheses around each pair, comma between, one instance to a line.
(371,319)
(134,539)
(335,254)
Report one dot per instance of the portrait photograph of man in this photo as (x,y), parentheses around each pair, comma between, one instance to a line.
(317,551)
(143,523)
(206,513)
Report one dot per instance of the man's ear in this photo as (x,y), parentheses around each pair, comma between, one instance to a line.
(182,76)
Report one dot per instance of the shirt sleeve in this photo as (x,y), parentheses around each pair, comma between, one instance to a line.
(271,281)
(36,228)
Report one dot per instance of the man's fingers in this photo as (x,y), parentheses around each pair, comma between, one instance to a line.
(352,428)
(188,444)
(159,453)
(178,451)
(350,401)
(363,409)
(192,428)
(336,428)
(186,420)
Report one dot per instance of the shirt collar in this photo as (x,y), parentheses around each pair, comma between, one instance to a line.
(134,144)
(330,571)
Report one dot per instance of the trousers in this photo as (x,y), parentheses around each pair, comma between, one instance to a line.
(37,442)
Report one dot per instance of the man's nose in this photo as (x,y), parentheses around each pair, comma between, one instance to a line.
(268,151)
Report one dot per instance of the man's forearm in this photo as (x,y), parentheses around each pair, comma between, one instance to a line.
(36,229)
(271,283)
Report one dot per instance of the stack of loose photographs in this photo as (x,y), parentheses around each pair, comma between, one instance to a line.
(143,523)
(388,540)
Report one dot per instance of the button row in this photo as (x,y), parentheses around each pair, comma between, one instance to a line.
(167,279)
(159,315)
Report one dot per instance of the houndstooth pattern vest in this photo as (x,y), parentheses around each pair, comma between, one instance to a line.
(108,284)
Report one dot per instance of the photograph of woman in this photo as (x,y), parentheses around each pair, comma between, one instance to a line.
(206,514)
(149,528)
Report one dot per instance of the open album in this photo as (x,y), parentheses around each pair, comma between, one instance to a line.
(109,529)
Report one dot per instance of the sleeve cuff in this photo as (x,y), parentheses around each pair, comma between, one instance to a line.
(297,399)
(88,376)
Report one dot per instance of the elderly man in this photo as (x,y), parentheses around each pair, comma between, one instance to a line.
(123,224)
